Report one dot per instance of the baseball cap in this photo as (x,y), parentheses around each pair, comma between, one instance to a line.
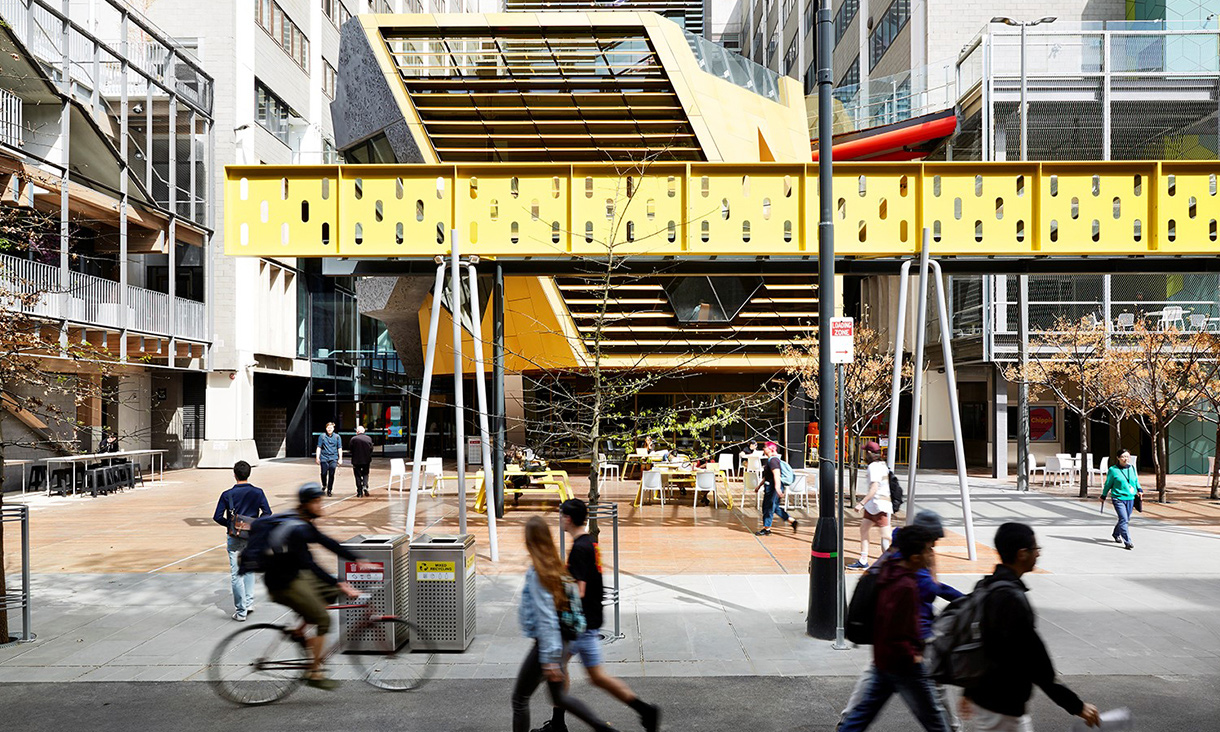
(872,446)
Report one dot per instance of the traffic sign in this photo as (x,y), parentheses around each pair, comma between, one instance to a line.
(842,340)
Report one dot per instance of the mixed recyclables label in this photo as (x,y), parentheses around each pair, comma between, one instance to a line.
(436,571)
(364,571)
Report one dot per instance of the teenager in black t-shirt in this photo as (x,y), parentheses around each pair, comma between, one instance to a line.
(585,566)
(773,491)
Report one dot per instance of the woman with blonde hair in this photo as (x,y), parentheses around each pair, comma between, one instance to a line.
(544,597)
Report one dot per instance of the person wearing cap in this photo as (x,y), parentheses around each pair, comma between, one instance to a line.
(875,507)
(296,581)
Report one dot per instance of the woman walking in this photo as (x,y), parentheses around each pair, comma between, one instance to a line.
(875,508)
(1123,485)
(543,598)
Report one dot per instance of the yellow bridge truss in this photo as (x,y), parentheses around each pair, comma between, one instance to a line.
(710,209)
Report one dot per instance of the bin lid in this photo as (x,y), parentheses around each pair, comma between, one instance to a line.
(375,540)
(440,541)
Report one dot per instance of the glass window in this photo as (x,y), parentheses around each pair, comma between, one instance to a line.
(344,15)
(790,57)
(811,17)
(328,79)
(328,9)
(844,16)
(272,112)
(286,33)
(892,21)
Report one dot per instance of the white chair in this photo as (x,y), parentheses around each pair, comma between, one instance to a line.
(606,469)
(650,482)
(754,463)
(725,463)
(705,482)
(800,489)
(1100,471)
(1056,469)
(1034,468)
(1126,322)
(434,475)
(749,485)
(398,470)
(1198,321)
(1171,315)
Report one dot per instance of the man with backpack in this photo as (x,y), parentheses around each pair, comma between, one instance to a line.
(1015,658)
(898,642)
(877,505)
(774,483)
(293,578)
(236,510)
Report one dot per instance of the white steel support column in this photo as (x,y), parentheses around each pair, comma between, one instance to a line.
(921,328)
(481,389)
(900,336)
(425,394)
(1106,92)
(459,406)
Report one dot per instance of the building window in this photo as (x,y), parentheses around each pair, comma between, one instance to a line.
(789,6)
(276,22)
(887,28)
(851,77)
(344,15)
(381,6)
(272,112)
(328,79)
(790,57)
(811,16)
(843,18)
(772,47)
(811,77)
(330,8)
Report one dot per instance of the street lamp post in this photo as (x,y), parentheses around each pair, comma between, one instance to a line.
(1023,280)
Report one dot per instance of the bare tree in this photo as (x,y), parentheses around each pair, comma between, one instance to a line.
(867,380)
(40,382)
(1170,370)
(1073,363)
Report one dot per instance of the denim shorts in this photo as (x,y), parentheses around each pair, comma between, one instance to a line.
(589,647)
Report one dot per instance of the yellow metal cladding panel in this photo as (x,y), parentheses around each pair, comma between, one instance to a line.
(285,211)
(704,209)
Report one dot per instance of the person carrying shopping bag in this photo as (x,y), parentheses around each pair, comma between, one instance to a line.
(1123,487)
(551,614)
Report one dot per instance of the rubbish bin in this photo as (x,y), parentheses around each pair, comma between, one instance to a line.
(382,575)
(442,591)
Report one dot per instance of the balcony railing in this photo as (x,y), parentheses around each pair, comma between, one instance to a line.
(91,300)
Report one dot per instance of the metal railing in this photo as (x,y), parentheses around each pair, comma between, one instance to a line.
(854,449)
(11,118)
(890,99)
(19,600)
(95,300)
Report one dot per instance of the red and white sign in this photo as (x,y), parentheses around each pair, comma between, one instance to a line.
(364,571)
(842,340)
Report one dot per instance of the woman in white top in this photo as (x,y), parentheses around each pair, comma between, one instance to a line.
(875,507)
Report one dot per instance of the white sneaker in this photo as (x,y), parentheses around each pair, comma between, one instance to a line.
(239,617)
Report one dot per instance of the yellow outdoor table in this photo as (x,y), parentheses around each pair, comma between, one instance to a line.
(672,474)
(541,481)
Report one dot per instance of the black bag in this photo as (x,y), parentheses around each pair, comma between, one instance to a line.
(956,654)
(862,610)
(1139,502)
(267,542)
(239,525)
(896,495)
(572,621)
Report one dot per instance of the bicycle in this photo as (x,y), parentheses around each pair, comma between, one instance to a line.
(265,663)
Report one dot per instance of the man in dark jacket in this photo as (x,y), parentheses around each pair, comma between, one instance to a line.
(1017,657)
(360,449)
(898,641)
(236,510)
(295,580)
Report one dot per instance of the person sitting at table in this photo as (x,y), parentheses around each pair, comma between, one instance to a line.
(653,452)
(752,452)
(110,443)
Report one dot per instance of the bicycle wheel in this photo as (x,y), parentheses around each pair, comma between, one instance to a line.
(258,665)
(399,670)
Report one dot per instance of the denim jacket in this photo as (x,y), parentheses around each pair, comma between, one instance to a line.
(539,620)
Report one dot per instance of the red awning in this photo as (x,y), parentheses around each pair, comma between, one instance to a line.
(906,142)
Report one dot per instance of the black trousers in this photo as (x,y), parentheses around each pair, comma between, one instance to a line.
(528,679)
(361,473)
(328,474)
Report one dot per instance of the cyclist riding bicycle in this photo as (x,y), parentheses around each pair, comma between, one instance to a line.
(296,581)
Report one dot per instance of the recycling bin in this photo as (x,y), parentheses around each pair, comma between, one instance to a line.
(381,574)
(442,591)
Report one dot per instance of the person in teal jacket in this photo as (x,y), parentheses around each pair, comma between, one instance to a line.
(1122,485)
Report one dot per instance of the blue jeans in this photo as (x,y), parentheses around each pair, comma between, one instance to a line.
(243,584)
(1123,509)
(771,507)
(916,690)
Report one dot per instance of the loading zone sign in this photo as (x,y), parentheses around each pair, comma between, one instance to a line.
(842,340)
(435,572)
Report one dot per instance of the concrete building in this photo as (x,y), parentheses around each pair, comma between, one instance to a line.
(106,139)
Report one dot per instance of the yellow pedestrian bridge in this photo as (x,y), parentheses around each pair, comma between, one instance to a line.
(682,210)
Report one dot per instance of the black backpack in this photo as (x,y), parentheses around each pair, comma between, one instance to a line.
(268,541)
(862,610)
(956,654)
(896,495)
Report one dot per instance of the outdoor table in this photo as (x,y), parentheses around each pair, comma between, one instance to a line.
(674,472)
(541,481)
(153,455)
(22,463)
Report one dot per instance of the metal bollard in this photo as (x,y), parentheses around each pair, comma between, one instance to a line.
(20,514)
(613,594)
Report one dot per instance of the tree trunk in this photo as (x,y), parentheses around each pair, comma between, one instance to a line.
(4,637)
(1084,452)
(1215,492)
(1160,459)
